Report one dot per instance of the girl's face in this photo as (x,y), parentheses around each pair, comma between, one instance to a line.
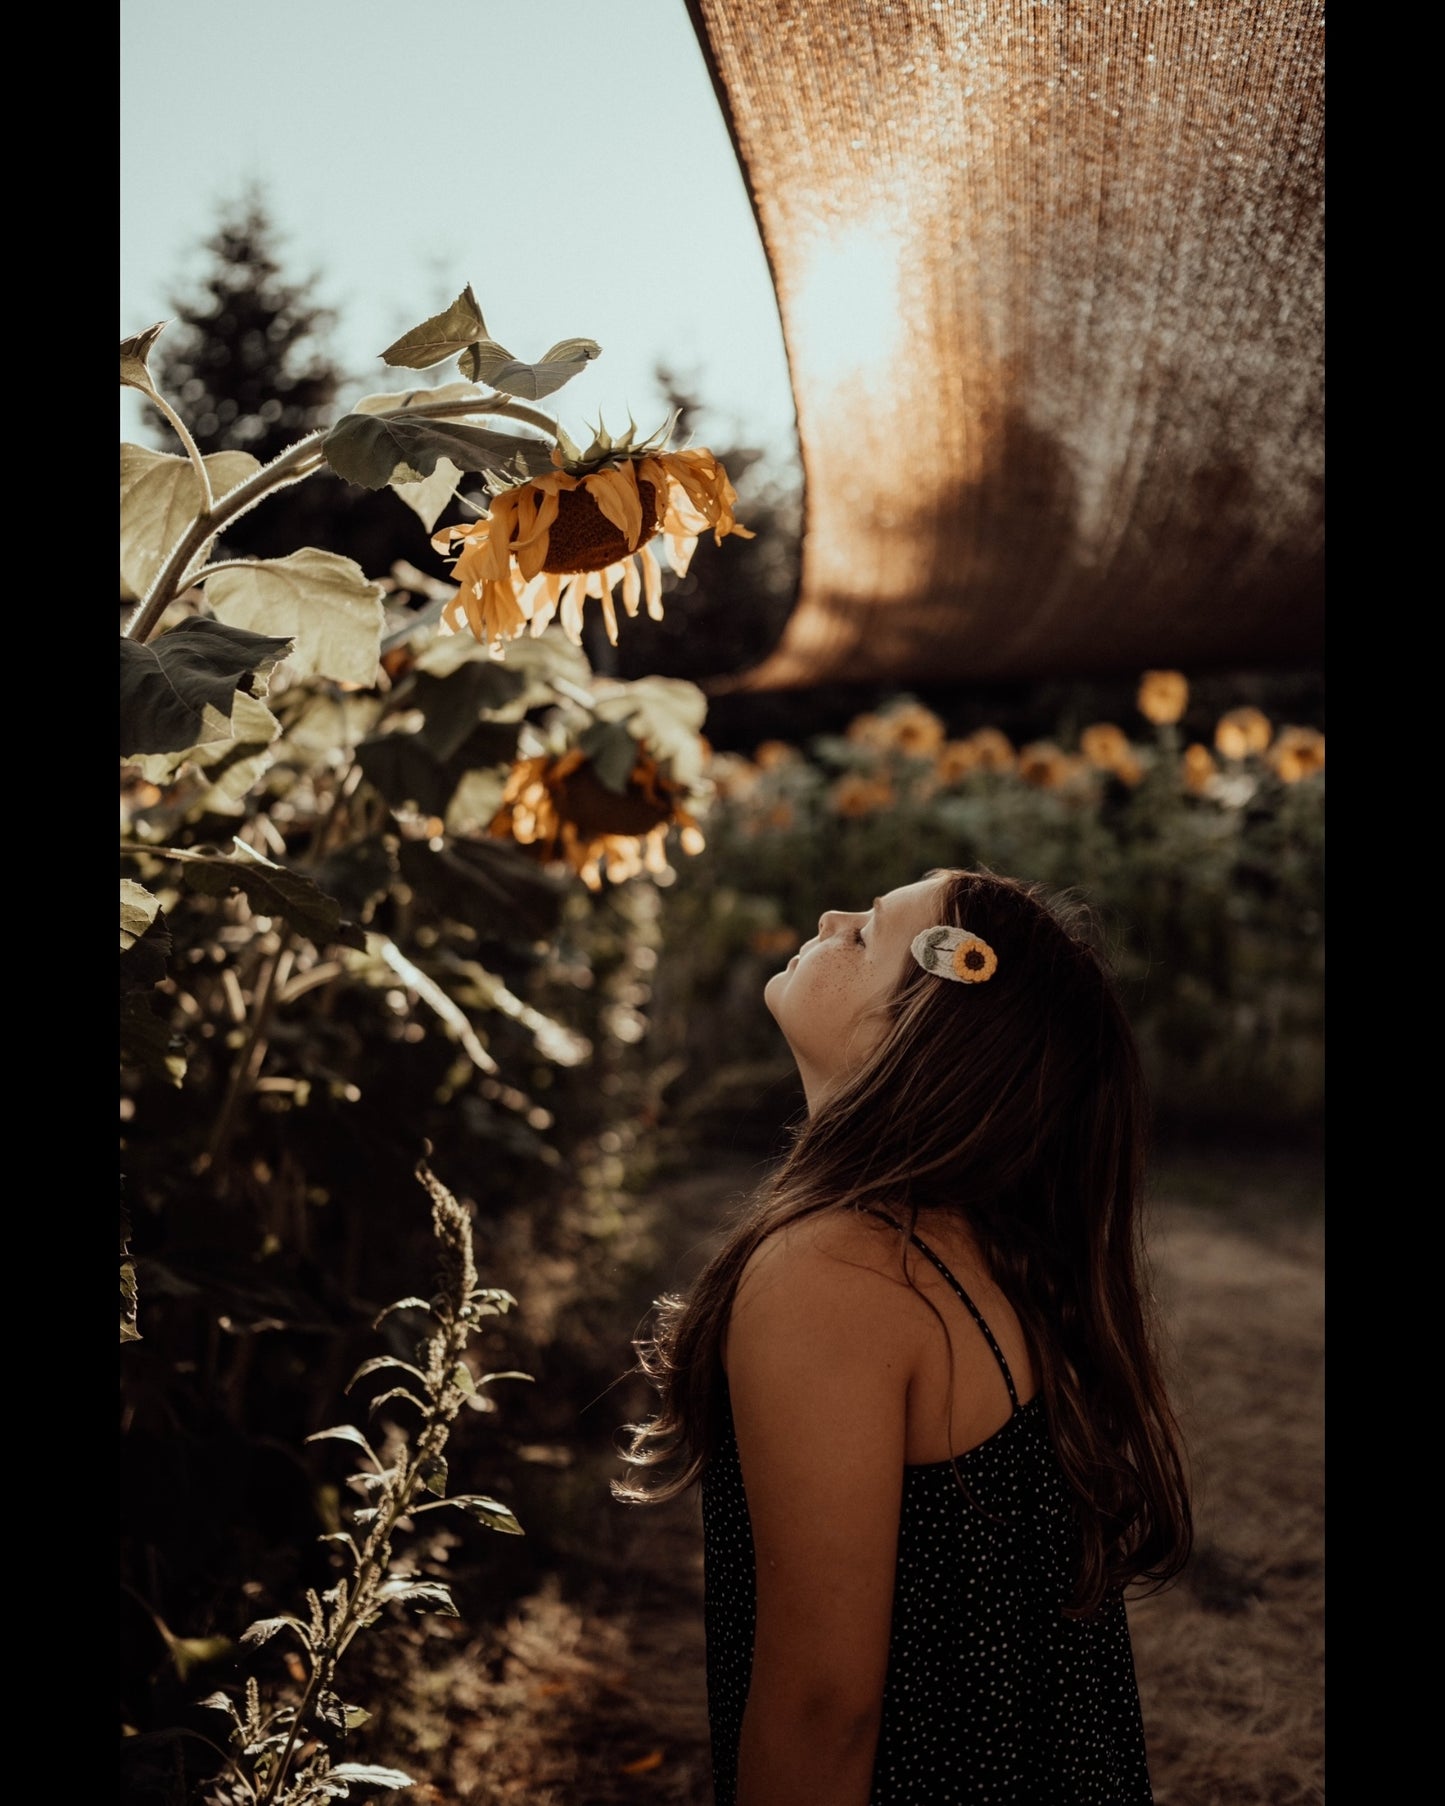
(826,1000)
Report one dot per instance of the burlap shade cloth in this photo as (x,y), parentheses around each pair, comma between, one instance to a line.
(1051,286)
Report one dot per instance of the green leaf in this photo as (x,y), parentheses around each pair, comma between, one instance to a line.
(489,885)
(179,691)
(376,449)
(138,909)
(405,770)
(426,1595)
(443,335)
(160,496)
(454,705)
(433,1475)
(402,1304)
(147,1042)
(134,353)
(667,714)
(323,601)
(345,1432)
(489,362)
(370,1772)
(273,890)
(377,1363)
(147,961)
(490,1512)
(613,753)
(265,1628)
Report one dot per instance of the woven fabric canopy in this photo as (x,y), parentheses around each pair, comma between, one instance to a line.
(1051,284)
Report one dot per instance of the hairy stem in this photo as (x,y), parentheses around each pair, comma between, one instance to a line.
(183,433)
(300,460)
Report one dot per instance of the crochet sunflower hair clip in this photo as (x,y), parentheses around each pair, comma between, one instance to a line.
(956,954)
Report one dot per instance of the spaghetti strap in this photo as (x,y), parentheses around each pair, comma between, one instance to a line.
(973,1310)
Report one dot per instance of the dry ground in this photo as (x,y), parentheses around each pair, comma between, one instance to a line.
(594,1696)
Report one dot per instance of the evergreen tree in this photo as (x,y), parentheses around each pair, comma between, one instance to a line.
(247,366)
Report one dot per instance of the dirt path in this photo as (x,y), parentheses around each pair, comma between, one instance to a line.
(597,1698)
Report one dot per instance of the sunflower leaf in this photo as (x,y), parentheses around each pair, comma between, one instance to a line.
(444,335)
(374,450)
(160,496)
(613,753)
(271,889)
(179,690)
(328,605)
(138,909)
(134,352)
(489,362)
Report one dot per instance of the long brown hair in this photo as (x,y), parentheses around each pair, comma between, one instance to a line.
(1020,1105)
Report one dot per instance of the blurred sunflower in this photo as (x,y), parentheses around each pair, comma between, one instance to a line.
(916,731)
(1240,732)
(992,749)
(770,755)
(558,809)
(1163,696)
(1298,752)
(954,760)
(1045,765)
(1107,748)
(549,543)
(1197,768)
(855,795)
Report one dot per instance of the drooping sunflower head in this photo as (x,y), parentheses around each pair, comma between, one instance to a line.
(577,531)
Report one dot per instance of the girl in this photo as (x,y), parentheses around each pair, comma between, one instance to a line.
(918,1383)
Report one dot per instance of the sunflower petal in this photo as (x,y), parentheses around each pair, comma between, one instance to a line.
(651,582)
(631,584)
(680,548)
(531,552)
(615,492)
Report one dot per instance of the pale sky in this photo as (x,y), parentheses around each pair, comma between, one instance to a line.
(568,158)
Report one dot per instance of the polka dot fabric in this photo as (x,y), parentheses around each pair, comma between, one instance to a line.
(992,1696)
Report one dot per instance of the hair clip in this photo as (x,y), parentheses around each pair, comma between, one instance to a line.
(955,953)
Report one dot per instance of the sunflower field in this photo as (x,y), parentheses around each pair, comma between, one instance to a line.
(443,951)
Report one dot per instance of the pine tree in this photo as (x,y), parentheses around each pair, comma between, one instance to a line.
(245,365)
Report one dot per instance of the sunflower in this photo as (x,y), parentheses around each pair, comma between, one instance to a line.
(1197,768)
(992,749)
(558,809)
(855,795)
(1163,696)
(772,755)
(1045,765)
(953,761)
(550,542)
(1298,752)
(1241,732)
(1107,748)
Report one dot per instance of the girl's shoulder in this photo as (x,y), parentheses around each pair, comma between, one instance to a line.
(844,1264)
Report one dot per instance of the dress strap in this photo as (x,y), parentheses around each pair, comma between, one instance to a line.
(973,1310)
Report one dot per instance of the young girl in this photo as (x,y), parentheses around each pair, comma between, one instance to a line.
(918,1382)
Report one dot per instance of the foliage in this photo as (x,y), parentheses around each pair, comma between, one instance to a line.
(282,1753)
(339,932)
(1205,862)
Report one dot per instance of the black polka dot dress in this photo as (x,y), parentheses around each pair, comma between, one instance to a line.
(992,1696)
